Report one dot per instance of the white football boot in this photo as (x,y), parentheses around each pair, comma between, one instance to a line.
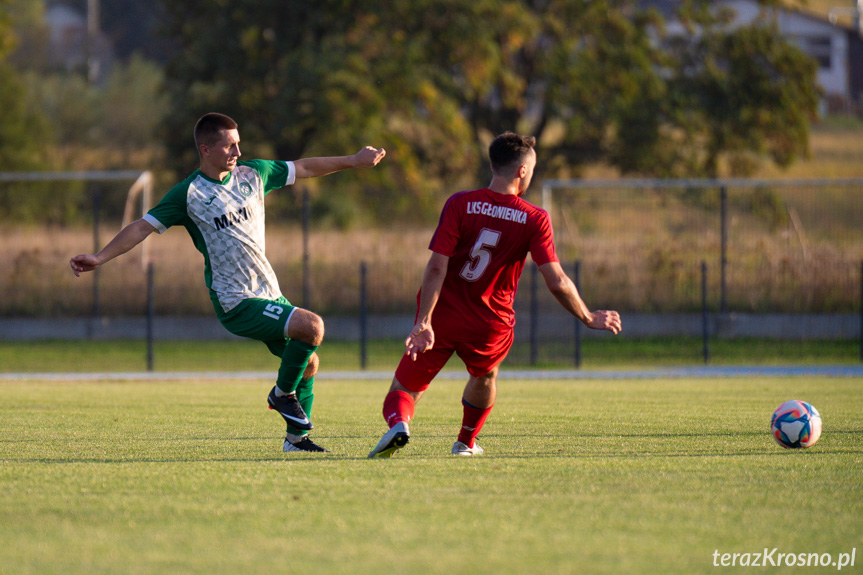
(393,440)
(459,448)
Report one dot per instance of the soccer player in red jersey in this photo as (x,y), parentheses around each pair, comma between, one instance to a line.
(465,304)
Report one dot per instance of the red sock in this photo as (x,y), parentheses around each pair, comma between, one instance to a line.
(398,406)
(472,422)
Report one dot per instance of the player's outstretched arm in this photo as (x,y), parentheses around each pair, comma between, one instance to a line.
(128,238)
(421,337)
(564,290)
(368,157)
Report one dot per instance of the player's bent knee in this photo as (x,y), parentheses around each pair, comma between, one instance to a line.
(312,367)
(317,331)
(489,378)
(306,326)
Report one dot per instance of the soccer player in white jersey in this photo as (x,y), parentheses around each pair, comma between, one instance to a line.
(221,205)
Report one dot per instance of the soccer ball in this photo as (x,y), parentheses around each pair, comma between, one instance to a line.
(796,424)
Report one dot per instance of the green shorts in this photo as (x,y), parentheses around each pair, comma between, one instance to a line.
(260,319)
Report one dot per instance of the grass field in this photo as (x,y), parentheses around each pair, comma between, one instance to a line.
(631,476)
(247,355)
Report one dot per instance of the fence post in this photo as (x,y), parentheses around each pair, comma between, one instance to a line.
(723,256)
(534,315)
(306,279)
(861,310)
(363,318)
(97,209)
(151,313)
(576,276)
(705,350)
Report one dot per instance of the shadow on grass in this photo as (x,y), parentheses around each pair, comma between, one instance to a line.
(406,454)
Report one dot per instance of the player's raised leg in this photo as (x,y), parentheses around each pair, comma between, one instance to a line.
(305,331)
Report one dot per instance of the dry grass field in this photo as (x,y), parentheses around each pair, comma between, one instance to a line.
(639,253)
(41,282)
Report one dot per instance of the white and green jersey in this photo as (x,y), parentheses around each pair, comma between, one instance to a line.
(226,222)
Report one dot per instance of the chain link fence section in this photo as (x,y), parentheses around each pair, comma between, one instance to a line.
(771,246)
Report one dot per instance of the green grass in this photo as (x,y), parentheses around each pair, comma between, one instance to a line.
(246,355)
(583,476)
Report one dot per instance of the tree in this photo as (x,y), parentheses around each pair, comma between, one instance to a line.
(324,80)
(599,81)
(58,120)
(739,94)
(435,80)
(22,128)
(23,133)
(132,26)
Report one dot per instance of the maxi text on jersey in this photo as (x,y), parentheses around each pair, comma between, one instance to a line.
(230,218)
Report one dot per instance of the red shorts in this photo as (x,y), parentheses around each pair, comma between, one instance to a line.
(481,351)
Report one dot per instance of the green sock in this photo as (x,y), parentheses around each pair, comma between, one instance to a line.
(295,358)
(306,397)
(306,394)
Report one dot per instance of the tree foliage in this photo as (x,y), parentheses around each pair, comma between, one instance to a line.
(22,127)
(740,93)
(23,131)
(57,120)
(434,80)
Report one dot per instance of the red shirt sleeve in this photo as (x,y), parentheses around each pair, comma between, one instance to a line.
(542,243)
(446,236)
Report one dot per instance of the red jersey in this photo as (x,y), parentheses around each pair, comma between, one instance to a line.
(487,237)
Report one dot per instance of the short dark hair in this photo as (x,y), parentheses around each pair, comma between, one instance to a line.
(207,128)
(508,151)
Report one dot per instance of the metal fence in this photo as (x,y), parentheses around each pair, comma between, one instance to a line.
(663,247)
(771,246)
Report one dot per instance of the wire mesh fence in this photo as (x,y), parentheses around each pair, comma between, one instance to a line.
(768,247)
